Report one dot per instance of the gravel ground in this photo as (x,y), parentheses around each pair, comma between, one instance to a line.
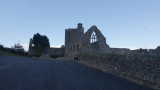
(19,73)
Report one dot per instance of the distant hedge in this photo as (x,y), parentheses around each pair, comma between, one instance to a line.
(35,55)
(13,51)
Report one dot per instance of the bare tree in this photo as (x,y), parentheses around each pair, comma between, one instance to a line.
(18,47)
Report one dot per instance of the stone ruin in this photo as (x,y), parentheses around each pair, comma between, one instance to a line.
(92,41)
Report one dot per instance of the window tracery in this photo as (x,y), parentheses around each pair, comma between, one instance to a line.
(94,37)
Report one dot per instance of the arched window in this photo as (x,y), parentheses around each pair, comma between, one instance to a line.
(94,37)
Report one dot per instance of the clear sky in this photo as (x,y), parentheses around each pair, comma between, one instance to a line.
(125,23)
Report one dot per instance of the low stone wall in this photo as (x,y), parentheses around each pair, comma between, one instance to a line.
(145,70)
(48,50)
(43,56)
(47,56)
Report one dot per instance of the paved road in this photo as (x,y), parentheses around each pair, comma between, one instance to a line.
(18,73)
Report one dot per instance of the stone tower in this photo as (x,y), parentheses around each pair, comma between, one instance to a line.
(73,40)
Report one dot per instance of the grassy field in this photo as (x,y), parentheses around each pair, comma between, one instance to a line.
(10,54)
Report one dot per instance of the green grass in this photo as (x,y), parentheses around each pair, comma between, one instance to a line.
(10,54)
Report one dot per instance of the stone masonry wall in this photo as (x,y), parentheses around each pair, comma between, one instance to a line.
(145,70)
(48,50)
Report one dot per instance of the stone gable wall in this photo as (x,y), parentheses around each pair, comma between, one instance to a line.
(145,70)
(97,47)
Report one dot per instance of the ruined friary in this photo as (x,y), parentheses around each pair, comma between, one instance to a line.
(92,41)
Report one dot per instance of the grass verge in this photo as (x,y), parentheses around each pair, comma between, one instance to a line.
(10,54)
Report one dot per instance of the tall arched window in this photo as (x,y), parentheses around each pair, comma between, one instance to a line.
(94,37)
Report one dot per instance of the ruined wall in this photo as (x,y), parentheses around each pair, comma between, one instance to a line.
(47,50)
(31,49)
(145,70)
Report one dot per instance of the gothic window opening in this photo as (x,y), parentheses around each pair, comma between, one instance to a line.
(94,37)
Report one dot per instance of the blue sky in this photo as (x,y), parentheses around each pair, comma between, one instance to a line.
(125,23)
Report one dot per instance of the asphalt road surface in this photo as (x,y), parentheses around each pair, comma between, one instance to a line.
(18,73)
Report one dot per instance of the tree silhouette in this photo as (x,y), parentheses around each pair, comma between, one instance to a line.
(42,40)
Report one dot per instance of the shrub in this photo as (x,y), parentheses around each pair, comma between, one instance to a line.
(54,55)
(35,55)
(13,51)
(38,49)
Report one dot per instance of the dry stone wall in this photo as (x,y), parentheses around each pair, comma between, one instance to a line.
(145,70)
